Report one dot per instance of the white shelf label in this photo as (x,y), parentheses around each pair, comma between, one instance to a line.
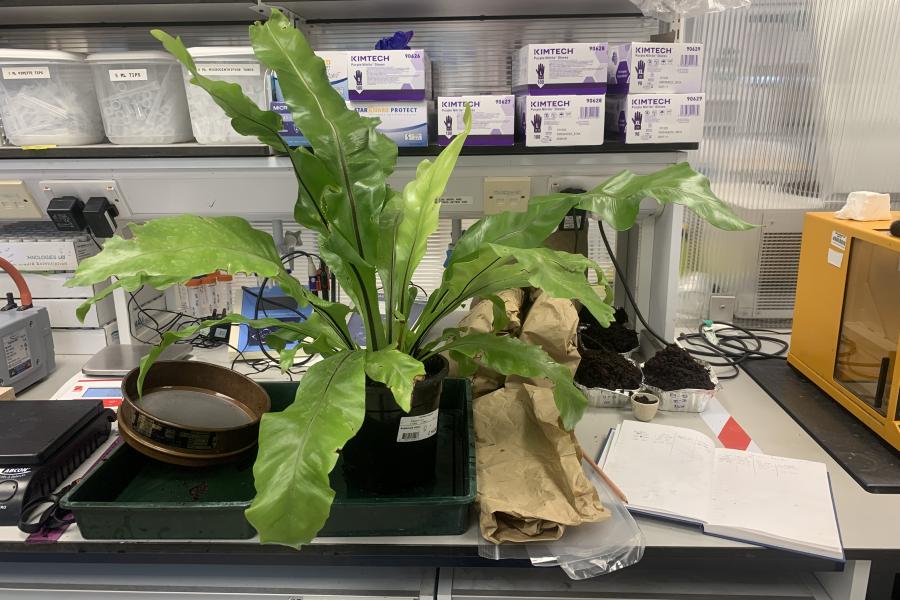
(26,72)
(231,69)
(128,74)
(456,200)
(415,429)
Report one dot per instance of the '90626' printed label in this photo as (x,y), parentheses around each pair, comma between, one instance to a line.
(416,429)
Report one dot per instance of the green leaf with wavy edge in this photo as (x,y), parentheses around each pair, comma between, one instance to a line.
(129,284)
(561,275)
(182,247)
(396,370)
(298,449)
(618,199)
(246,117)
(465,366)
(340,136)
(482,274)
(498,308)
(516,229)
(406,223)
(512,356)
(358,157)
(304,328)
(326,344)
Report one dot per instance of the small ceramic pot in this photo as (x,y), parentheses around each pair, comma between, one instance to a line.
(646,410)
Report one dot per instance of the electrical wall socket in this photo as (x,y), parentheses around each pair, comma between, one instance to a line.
(506,194)
(84,189)
(16,203)
(721,308)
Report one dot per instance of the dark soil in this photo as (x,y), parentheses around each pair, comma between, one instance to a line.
(672,368)
(603,369)
(644,399)
(618,337)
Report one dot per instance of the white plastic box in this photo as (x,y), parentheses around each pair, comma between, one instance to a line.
(236,64)
(406,123)
(47,97)
(395,75)
(550,69)
(142,97)
(493,119)
(561,120)
(655,68)
(655,118)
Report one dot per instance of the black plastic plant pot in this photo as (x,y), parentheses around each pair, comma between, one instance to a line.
(396,451)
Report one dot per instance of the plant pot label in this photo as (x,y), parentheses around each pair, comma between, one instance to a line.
(416,429)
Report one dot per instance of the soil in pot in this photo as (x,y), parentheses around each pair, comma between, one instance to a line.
(609,370)
(645,399)
(618,337)
(395,451)
(672,368)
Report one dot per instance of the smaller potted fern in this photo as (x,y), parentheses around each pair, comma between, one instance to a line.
(370,234)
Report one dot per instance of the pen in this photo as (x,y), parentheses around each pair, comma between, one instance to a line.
(618,492)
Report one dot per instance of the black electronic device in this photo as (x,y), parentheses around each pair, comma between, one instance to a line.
(895,228)
(100,216)
(67,213)
(41,443)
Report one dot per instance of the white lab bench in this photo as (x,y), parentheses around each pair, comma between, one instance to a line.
(679,561)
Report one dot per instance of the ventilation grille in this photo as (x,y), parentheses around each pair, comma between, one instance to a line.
(779,260)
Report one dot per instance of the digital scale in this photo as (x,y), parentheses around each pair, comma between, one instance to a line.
(41,443)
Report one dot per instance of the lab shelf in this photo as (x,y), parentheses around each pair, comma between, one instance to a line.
(68,12)
(201,151)
(191,150)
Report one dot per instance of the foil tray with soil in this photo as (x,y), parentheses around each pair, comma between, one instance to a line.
(618,337)
(607,378)
(682,382)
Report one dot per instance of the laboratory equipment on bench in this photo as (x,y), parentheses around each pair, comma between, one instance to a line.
(192,414)
(41,443)
(117,360)
(846,334)
(264,303)
(26,341)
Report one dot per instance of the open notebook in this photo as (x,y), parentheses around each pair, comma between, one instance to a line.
(678,473)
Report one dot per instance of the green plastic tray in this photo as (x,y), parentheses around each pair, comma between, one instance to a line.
(130,496)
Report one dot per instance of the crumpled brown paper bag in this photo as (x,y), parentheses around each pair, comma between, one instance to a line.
(552,324)
(480,319)
(530,482)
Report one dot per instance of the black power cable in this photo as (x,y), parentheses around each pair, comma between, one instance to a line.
(621,276)
(734,344)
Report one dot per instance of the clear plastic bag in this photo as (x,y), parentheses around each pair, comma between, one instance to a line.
(670,10)
(593,549)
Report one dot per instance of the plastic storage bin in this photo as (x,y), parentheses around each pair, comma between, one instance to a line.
(236,64)
(142,97)
(48,97)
